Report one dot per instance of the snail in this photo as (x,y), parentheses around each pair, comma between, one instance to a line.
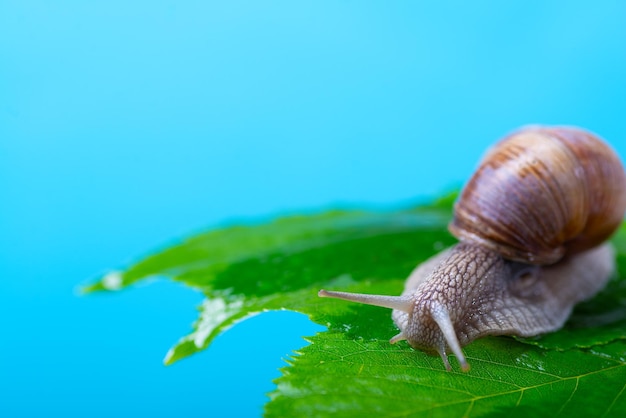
(532,224)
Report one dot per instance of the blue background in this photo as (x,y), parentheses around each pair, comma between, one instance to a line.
(124,125)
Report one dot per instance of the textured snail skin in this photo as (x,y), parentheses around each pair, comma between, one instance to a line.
(531,224)
(505,297)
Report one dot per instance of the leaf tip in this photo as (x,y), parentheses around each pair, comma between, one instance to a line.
(82,290)
(169,357)
(113,280)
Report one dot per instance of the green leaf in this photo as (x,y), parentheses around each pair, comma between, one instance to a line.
(351,369)
(340,376)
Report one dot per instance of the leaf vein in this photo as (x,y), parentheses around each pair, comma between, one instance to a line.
(619,394)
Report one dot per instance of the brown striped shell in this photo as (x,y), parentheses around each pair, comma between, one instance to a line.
(541,193)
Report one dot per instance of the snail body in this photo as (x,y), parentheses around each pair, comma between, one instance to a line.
(532,225)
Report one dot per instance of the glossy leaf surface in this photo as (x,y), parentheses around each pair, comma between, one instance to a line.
(351,368)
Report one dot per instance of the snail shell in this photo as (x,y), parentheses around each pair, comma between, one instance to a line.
(532,224)
(543,192)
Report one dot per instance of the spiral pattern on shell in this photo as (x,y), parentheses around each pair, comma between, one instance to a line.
(542,193)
